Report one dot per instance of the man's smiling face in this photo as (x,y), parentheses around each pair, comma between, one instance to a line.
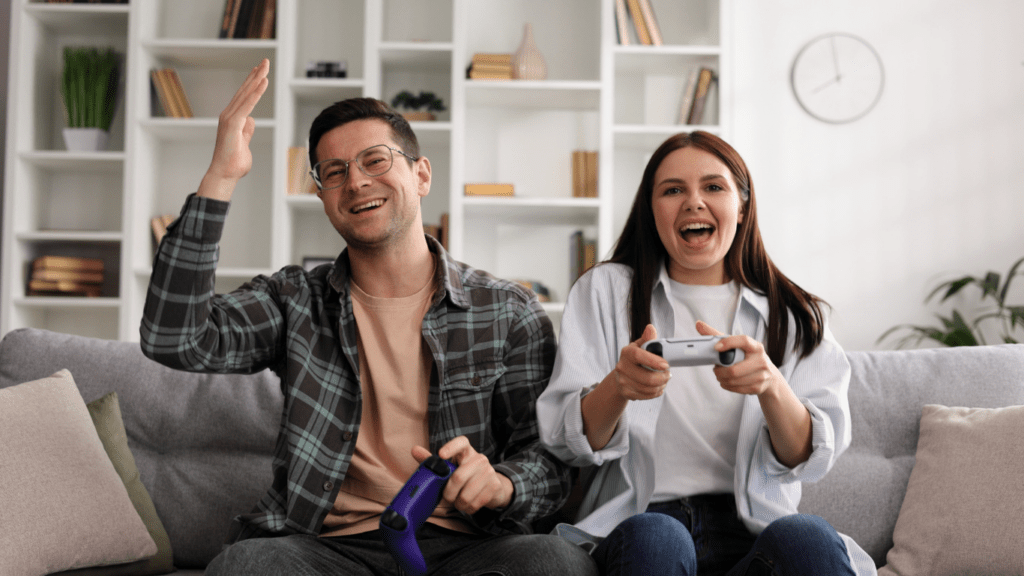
(372,212)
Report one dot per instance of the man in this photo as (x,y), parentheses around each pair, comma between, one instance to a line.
(394,353)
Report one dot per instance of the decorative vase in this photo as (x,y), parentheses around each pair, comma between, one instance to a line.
(85,139)
(527,61)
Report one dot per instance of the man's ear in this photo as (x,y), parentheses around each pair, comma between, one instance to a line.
(422,170)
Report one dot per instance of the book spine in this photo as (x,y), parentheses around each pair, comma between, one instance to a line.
(650,22)
(67,263)
(697,112)
(269,20)
(179,93)
(299,181)
(164,87)
(590,173)
(686,103)
(489,189)
(225,25)
(622,23)
(638,22)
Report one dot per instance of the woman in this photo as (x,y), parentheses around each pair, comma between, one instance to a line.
(698,470)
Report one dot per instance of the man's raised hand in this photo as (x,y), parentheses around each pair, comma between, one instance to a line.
(232,158)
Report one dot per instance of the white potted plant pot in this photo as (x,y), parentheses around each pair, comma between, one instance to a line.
(85,139)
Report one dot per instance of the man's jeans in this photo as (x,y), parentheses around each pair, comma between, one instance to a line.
(446,552)
(704,535)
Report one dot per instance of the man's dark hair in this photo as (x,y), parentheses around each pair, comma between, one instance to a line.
(353,109)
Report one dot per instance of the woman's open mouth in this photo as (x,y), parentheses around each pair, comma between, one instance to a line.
(696,232)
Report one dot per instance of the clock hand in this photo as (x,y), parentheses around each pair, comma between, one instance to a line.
(826,84)
(835,57)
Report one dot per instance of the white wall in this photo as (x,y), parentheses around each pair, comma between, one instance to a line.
(871,215)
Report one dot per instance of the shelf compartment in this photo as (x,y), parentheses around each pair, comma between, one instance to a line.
(533,211)
(90,317)
(79,193)
(330,30)
(106,247)
(327,89)
(649,88)
(211,53)
(417,21)
(96,19)
(564,94)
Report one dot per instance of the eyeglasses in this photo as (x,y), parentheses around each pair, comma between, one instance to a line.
(373,161)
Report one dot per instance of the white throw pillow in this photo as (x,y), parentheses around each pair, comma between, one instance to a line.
(964,508)
(62,503)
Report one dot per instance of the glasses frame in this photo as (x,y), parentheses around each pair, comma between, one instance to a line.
(348,164)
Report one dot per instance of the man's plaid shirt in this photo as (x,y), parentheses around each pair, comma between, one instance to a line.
(493,349)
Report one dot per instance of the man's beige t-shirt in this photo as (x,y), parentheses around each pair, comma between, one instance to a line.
(395,367)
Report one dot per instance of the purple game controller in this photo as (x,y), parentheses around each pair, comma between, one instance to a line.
(693,351)
(412,506)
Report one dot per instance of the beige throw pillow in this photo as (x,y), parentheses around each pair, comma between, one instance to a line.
(62,503)
(964,508)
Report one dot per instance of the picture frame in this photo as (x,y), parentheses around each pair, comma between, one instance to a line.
(311,262)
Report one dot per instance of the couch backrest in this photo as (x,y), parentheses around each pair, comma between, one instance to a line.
(861,496)
(203,443)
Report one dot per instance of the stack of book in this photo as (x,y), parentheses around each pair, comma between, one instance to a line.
(490,67)
(248,19)
(171,98)
(641,15)
(698,96)
(584,173)
(65,276)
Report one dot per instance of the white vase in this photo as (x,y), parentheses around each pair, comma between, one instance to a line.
(85,139)
(527,61)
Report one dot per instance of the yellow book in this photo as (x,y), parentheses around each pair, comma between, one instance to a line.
(489,189)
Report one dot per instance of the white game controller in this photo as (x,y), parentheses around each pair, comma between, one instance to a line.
(693,351)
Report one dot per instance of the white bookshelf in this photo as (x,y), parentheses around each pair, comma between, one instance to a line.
(620,100)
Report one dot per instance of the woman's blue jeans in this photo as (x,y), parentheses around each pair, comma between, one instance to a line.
(704,535)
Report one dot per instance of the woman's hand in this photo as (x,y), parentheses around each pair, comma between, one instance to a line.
(638,375)
(789,422)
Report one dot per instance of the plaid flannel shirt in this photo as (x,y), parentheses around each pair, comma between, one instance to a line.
(493,348)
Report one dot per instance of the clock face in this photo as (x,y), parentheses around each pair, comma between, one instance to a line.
(837,78)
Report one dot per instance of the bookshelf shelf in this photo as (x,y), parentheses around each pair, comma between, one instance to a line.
(620,101)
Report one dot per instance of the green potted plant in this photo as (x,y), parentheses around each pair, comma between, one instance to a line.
(89,84)
(412,105)
(956,329)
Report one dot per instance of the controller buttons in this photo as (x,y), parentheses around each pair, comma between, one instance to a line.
(393,520)
(655,348)
(437,466)
(727,356)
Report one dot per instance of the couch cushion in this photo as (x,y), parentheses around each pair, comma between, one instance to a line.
(964,508)
(106,416)
(62,503)
(862,494)
(203,443)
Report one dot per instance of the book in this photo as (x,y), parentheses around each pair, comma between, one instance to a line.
(56,275)
(67,263)
(622,23)
(178,93)
(686,103)
(62,288)
(489,189)
(299,180)
(638,21)
(492,58)
(241,28)
(268,30)
(163,92)
(225,25)
(700,96)
(582,255)
(590,174)
(650,22)
(584,173)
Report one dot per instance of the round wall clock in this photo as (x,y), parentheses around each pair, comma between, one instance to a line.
(837,78)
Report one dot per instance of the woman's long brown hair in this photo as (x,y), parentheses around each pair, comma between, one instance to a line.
(747,262)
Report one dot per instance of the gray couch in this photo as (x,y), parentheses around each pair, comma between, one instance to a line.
(203,443)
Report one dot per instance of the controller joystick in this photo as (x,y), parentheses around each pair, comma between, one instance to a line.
(693,351)
(410,508)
